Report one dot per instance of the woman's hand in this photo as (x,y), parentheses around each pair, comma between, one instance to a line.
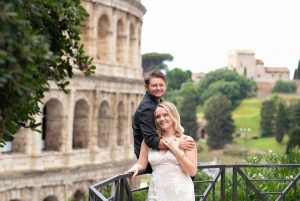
(134,169)
(171,143)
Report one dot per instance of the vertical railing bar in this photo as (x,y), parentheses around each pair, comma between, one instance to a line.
(250,184)
(246,191)
(128,190)
(234,181)
(116,190)
(223,183)
(208,189)
(295,192)
(122,186)
(214,192)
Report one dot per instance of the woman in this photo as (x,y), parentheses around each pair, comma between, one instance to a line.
(172,168)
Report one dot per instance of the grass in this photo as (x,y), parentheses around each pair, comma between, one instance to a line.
(246,115)
(266,144)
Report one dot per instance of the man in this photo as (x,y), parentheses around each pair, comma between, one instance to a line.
(143,123)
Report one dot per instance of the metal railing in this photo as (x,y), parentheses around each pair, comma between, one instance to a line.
(216,186)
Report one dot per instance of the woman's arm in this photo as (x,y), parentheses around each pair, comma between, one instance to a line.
(142,162)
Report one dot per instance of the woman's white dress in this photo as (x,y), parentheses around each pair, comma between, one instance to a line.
(168,181)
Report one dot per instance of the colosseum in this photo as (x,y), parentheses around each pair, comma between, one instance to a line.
(86,134)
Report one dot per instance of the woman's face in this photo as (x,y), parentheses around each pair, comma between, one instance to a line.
(162,118)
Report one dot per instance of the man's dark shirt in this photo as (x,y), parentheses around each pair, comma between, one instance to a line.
(143,125)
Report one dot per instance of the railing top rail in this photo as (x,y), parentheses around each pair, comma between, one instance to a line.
(237,170)
(249,165)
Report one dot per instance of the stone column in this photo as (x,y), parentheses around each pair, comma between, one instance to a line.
(35,147)
(127,42)
(68,126)
(113,39)
(70,119)
(93,135)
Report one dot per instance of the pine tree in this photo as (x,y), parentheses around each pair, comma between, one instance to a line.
(188,115)
(297,72)
(280,122)
(267,118)
(294,139)
(295,115)
(220,123)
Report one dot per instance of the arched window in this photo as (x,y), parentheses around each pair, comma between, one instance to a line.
(51,198)
(103,41)
(80,124)
(132,46)
(121,39)
(121,134)
(52,125)
(79,195)
(103,124)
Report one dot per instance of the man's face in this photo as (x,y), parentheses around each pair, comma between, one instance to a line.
(156,87)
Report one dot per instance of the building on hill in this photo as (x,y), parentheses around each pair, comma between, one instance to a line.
(244,63)
(86,134)
(196,77)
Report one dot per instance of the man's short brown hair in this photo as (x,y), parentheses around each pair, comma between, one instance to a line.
(154,74)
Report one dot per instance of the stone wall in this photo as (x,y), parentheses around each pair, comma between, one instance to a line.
(59,183)
(86,134)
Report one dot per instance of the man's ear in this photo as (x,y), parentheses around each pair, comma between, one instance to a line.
(146,87)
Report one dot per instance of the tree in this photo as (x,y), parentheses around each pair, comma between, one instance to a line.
(176,77)
(154,60)
(294,118)
(284,87)
(38,43)
(220,123)
(294,139)
(237,86)
(280,122)
(297,72)
(188,115)
(230,89)
(267,117)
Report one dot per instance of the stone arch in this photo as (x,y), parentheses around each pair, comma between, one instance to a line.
(52,125)
(103,34)
(132,45)
(104,119)
(51,198)
(80,124)
(121,127)
(121,41)
(79,195)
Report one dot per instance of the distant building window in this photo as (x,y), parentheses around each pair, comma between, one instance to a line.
(258,75)
(272,75)
(241,64)
(279,75)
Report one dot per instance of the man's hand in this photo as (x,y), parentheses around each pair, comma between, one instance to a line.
(171,143)
(186,143)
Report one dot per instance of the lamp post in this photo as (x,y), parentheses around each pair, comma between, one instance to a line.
(245,129)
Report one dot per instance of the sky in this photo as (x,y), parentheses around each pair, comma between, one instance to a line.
(200,33)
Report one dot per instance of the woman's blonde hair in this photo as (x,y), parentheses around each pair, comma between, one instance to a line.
(173,114)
